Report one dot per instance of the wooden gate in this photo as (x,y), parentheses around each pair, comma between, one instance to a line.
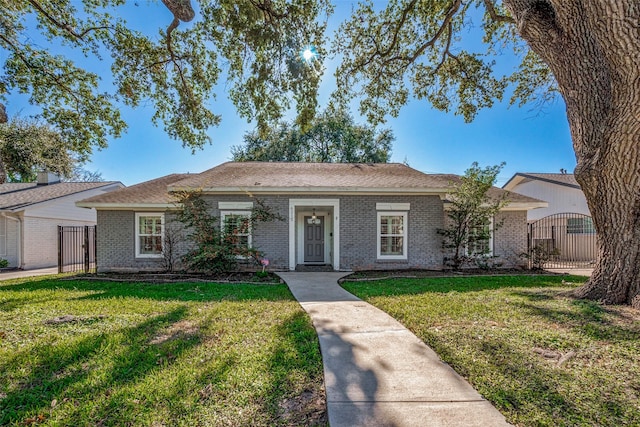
(565,240)
(77,249)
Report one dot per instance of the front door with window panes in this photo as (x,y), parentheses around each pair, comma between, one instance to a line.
(313,239)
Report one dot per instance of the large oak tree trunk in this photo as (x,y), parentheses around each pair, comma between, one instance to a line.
(593,49)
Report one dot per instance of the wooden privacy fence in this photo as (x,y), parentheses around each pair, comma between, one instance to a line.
(566,240)
(77,249)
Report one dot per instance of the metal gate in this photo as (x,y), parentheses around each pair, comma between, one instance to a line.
(564,240)
(77,249)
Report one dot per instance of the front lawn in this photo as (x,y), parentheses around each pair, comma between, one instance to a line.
(75,352)
(542,358)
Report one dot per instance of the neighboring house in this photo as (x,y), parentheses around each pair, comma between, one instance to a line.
(565,227)
(560,190)
(31,212)
(348,216)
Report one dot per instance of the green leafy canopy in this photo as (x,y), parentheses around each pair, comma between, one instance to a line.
(250,51)
(414,48)
(255,45)
(332,137)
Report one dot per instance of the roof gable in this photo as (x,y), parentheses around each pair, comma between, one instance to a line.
(562,179)
(151,193)
(18,196)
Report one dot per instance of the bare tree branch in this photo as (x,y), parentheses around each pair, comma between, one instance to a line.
(65,26)
(494,14)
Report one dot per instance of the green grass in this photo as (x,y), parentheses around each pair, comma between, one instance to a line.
(155,354)
(492,331)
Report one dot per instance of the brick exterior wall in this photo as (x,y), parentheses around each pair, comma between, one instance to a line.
(116,243)
(358,234)
(510,240)
(271,238)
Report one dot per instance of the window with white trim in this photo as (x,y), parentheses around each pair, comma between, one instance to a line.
(149,234)
(236,225)
(392,235)
(480,240)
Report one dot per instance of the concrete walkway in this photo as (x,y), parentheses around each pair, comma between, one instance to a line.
(377,373)
(14,274)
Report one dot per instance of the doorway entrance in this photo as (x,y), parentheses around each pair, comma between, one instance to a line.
(314,239)
(314,233)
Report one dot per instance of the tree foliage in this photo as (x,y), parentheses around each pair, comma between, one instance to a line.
(587,50)
(27,147)
(253,45)
(469,208)
(332,137)
(414,48)
(216,248)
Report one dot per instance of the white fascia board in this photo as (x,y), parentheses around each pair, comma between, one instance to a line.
(317,190)
(514,206)
(513,182)
(525,206)
(128,206)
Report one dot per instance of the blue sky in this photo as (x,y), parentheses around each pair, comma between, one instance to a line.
(527,139)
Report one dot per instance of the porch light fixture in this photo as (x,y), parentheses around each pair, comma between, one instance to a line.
(314,219)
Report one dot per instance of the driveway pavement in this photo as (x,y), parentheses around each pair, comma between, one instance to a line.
(14,274)
(573,271)
(378,373)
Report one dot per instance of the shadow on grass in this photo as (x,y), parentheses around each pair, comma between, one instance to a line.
(298,354)
(181,291)
(404,286)
(65,368)
(588,317)
(531,391)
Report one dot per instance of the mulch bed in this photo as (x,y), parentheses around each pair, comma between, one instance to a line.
(160,277)
(410,274)
(272,278)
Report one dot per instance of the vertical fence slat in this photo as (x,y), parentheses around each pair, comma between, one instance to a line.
(569,239)
(77,249)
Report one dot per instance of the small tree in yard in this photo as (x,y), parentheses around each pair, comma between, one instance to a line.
(174,236)
(215,248)
(469,213)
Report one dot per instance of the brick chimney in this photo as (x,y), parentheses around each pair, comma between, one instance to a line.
(46,178)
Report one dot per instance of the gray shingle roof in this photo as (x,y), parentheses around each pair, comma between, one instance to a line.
(309,176)
(289,177)
(15,196)
(148,192)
